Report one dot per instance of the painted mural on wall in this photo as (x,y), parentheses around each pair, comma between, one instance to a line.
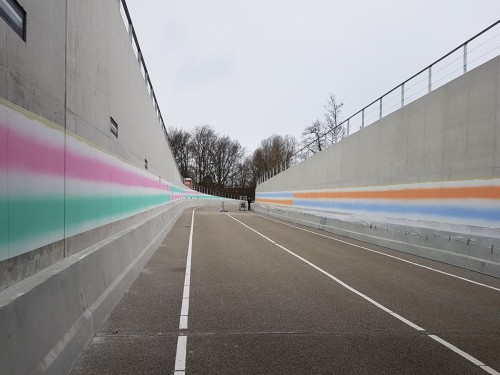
(468,202)
(53,186)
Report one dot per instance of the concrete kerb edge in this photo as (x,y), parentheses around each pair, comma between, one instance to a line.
(464,257)
(67,323)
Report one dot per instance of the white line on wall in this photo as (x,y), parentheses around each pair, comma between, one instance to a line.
(375,303)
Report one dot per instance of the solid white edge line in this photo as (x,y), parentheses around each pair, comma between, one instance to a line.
(337,280)
(180,356)
(382,307)
(489,370)
(456,350)
(381,253)
(411,324)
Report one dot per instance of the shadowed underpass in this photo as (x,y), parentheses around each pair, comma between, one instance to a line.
(265,297)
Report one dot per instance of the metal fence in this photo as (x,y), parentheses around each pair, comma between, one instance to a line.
(470,54)
(138,54)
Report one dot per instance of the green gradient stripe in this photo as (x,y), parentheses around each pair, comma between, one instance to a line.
(176,190)
(31,217)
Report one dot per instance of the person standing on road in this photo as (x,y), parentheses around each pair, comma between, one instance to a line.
(249,201)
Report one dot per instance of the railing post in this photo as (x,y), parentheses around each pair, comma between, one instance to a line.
(402,95)
(348,125)
(430,78)
(380,114)
(363,118)
(465,58)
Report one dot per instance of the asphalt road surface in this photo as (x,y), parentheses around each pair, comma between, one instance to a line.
(238,293)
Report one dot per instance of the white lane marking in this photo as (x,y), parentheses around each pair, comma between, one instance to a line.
(187,279)
(375,303)
(337,280)
(404,320)
(180,357)
(456,350)
(185,307)
(381,253)
(465,355)
(183,322)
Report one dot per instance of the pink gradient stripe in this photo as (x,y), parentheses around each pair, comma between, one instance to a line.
(28,155)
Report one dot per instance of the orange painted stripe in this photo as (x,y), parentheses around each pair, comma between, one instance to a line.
(286,202)
(477,192)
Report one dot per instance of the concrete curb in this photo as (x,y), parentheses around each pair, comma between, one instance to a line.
(48,319)
(476,254)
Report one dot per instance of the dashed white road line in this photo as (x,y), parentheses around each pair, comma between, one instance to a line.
(375,303)
(384,254)
(180,357)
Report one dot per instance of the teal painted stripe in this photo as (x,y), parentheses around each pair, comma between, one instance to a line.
(32,217)
(4,228)
(81,210)
(176,189)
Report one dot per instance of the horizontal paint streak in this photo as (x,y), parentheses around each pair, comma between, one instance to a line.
(288,195)
(176,189)
(26,154)
(31,217)
(285,202)
(471,192)
(431,210)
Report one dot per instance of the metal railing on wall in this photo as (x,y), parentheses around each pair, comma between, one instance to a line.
(215,192)
(470,54)
(138,54)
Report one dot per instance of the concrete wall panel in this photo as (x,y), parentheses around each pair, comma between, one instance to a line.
(482,113)
(4,202)
(3,60)
(40,61)
(415,120)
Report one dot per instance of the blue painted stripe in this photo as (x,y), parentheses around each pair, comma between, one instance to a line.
(280,194)
(490,214)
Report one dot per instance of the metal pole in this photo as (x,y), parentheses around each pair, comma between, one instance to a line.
(402,95)
(363,118)
(348,126)
(380,114)
(465,58)
(430,78)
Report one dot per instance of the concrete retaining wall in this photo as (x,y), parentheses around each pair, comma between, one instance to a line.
(77,69)
(60,193)
(48,319)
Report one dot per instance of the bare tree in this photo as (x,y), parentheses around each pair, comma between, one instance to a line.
(203,141)
(333,119)
(179,144)
(273,152)
(225,155)
(313,137)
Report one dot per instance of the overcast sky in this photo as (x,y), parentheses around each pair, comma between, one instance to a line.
(251,68)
